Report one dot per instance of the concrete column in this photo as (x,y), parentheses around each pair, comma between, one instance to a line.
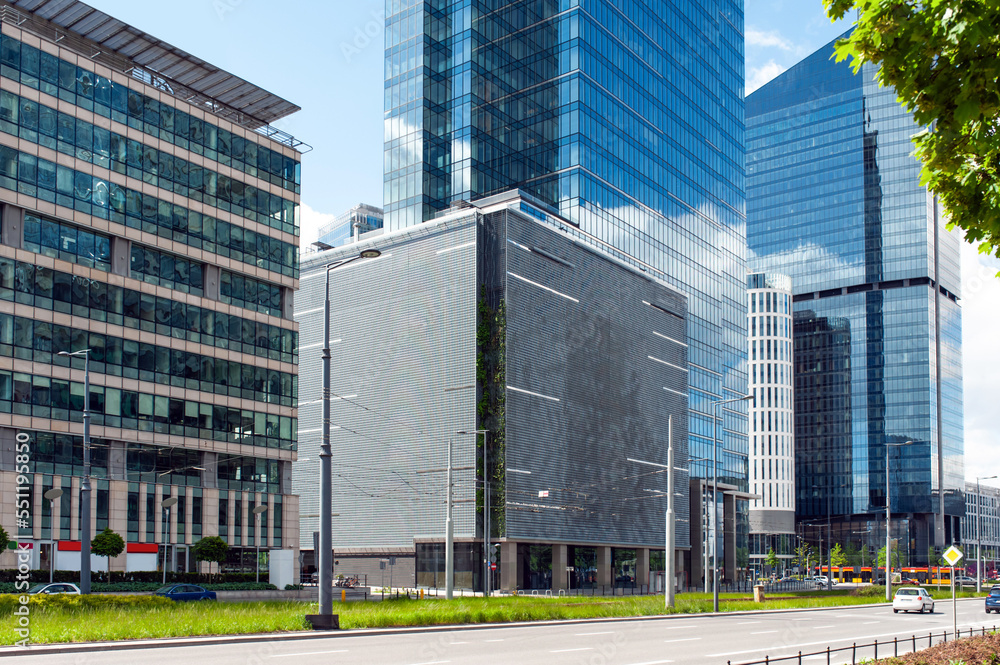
(245,514)
(210,513)
(121,256)
(12,219)
(559,563)
(143,489)
(729,536)
(604,573)
(56,509)
(118,510)
(188,536)
(642,566)
(36,507)
(509,577)
(74,509)
(231,517)
(158,514)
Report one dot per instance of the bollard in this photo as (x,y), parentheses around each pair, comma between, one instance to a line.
(800,657)
(895,647)
(876,649)
(854,653)
(828,656)
(421,594)
(914,644)
(343,594)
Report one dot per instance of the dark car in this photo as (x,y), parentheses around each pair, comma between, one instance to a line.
(185,592)
(993,601)
(910,580)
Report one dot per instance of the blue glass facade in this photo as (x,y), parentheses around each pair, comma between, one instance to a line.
(834,201)
(626,118)
(358,220)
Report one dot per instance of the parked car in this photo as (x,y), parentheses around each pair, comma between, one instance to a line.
(57,587)
(965,580)
(910,580)
(822,580)
(993,600)
(185,592)
(910,599)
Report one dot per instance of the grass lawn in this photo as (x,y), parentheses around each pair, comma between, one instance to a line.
(59,623)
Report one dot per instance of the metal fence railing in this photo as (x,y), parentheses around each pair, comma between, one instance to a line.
(889,648)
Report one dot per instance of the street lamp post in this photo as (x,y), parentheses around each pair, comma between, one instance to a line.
(715,492)
(449,537)
(486,510)
(257,512)
(52,495)
(888,523)
(325,459)
(85,482)
(979,535)
(166,503)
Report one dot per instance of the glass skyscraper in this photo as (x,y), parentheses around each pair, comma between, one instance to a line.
(835,201)
(625,118)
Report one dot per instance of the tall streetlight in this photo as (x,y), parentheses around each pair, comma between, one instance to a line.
(167,504)
(888,523)
(257,513)
(52,495)
(325,461)
(85,483)
(486,510)
(979,535)
(715,491)
(668,543)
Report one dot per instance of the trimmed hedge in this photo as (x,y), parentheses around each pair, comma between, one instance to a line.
(68,602)
(133,587)
(145,576)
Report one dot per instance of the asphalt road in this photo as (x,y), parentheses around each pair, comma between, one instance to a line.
(680,640)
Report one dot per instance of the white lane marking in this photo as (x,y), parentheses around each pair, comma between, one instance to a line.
(605,632)
(764,632)
(454,644)
(307,653)
(653,662)
(746,623)
(568,650)
(492,640)
(868,623)
(685,639)
(820,627)
(433,662)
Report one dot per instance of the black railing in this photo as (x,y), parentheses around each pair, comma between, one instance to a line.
(911,643)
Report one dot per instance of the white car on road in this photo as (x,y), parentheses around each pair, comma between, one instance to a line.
(912,598)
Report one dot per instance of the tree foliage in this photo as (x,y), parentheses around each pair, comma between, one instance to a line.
(802,555)
(772,559)
(107,544)
(211,549)
(941,58)
(4,539)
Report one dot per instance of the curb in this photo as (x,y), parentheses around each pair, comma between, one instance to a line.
(209,640)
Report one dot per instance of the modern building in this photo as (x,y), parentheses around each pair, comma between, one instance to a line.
(627,120)
(149,218)
(348,226)
(772,420)
(835,202)
(981,526)
(497,326)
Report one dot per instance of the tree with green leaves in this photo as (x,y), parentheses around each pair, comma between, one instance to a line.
(211,548)
(803,553)
(107,544)
(838,560)
(4,539)
(772,560)
(940,56)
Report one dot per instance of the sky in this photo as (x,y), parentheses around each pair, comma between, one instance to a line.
(326,56)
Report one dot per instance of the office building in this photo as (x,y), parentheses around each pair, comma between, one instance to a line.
(645,156)
(349,226)
(495,317)
(149,215)
(981,527)
(772,418)
(835,202)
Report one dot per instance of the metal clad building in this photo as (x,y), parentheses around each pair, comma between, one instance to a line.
(579,361)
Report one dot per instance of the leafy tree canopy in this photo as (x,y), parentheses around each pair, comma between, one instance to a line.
(211,548)
(941,58)
(4,539)
(107,543)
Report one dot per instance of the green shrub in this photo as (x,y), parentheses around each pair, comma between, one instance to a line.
(294,587)
(70,602)
(873,591)
(147,576)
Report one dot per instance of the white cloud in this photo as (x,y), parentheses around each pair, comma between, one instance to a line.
(771,39)
(761,75)
(980,326)
(310,222)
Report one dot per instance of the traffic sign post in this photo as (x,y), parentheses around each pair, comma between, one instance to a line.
(953,555)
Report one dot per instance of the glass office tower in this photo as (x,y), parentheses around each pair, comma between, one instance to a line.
(627,119)
(835,201)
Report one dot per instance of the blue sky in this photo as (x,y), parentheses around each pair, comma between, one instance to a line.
(326,56)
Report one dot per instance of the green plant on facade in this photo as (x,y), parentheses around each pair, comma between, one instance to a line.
(491,375)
